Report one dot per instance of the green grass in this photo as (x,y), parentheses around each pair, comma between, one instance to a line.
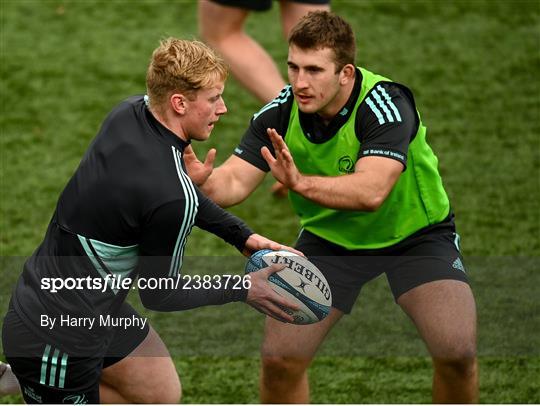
(473,67)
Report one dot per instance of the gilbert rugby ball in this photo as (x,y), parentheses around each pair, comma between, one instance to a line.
(300,282)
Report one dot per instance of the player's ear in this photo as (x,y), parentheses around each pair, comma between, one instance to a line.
(347,74)
(178,103)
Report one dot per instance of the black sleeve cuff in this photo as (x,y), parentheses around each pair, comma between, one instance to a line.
(239,234)
(237,295)
(253,157)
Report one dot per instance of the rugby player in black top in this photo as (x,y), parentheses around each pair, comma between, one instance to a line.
(127,212)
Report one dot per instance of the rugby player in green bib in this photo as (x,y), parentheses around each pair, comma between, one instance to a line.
(351,148)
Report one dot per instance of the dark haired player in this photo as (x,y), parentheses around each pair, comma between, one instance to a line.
(352,149)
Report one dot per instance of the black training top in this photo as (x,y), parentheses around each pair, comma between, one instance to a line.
(126,212)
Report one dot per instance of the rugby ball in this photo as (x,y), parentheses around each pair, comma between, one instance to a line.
(300,282)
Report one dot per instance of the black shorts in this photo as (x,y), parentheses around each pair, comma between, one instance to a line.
(430,254)
(49,375)
(262,5)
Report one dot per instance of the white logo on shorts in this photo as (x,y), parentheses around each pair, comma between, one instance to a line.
(76,399)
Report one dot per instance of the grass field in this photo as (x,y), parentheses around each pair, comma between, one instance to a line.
(473,66)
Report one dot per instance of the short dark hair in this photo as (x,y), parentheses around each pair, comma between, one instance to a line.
(323,29)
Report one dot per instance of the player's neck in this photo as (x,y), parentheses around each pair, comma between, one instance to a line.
(170,122)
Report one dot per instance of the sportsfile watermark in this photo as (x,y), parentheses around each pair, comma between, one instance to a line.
(115,282)
(505,290)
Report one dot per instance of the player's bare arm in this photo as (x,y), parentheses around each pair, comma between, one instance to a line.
(227,185)
(365,189)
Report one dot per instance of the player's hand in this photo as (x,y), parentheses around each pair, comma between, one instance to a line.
(257,242)
(262,297)
(198,171)
(282,166)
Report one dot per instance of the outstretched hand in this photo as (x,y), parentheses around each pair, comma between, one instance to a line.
(257,242)
(262,297)
(198,171)
(282,166)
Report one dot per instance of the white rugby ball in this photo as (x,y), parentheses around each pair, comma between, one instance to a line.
(301,282)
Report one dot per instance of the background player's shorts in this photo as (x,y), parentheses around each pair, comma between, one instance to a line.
(49,375)
(262,5)
(429,255)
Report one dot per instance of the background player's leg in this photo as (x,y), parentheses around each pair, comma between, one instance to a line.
(146,375)
(292,12)
(286,354)
(222,27)
(444,313)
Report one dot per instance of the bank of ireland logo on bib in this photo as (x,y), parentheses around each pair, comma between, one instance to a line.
(346,164)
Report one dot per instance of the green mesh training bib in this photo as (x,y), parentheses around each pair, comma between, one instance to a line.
(417,200)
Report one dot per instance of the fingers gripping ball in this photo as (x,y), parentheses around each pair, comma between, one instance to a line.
(301,282)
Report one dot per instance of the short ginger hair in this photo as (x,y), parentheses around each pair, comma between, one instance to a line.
(182,66)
